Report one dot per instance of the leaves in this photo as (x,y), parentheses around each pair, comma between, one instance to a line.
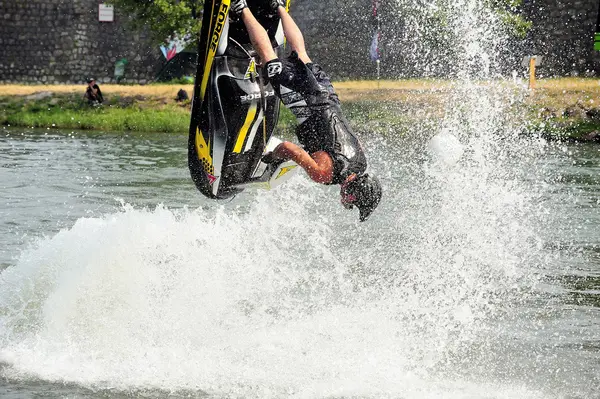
(163,18)
(509,11)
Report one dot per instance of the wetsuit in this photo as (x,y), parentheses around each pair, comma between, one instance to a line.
(306,90)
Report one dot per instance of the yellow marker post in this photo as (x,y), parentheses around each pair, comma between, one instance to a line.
(532,73)
(532,62)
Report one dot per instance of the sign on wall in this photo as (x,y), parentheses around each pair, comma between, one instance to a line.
(106,13)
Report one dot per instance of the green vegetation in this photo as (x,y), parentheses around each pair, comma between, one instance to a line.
(100,119)
(69,111)
(559,109)
(513,21)
(565,129)
(164,18)
(118,113)
(565,109)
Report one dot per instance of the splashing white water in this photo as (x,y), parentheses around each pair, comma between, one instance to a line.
(465,39)
(246,304)
(445,149)
(273,299)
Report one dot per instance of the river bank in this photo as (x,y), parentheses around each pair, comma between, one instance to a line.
(566,108)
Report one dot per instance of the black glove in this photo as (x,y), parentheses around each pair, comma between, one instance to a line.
(291,73)
(275,4)
(237,6)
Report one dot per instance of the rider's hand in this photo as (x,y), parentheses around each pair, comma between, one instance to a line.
(237,6)
(275,4)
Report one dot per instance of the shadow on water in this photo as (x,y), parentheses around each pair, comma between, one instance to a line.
(34,388)
(581,290)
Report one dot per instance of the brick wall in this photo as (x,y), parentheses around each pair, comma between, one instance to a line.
(60,41)
(338,34)
(563,32)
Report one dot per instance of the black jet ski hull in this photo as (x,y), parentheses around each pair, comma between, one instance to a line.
(234,113)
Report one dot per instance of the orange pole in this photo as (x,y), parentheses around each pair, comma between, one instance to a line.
(532,73)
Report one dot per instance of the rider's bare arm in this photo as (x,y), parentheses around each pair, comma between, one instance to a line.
(258,36)
(294,35)
(318,165)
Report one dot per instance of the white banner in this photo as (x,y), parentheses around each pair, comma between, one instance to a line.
(106,13)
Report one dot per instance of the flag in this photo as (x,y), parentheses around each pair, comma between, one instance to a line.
(173,47)
(374,50)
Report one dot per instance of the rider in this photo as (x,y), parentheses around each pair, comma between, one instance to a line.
(332,153)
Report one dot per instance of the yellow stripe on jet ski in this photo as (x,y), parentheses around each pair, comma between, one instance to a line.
(212,12)
(203,150)
(286,170)
(245,128)
(213,44)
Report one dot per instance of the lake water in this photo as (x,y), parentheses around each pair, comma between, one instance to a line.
(474,280)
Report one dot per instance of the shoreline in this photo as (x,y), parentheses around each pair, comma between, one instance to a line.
(559,109)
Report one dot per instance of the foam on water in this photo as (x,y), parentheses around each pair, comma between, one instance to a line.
(273,299)
(290,296)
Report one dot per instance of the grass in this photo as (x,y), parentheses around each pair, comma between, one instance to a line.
(564,108)
(557,105)
(102,119)
(66,109)
(559,94)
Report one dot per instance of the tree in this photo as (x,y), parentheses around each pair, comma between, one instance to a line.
(418,37)
(163,19)
(510,14)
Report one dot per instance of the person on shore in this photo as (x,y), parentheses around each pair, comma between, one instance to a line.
(330,153)
(93,94)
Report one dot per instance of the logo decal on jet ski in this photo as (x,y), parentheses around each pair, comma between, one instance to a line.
(256,96)
(203,150)
(214,41)
(251,72)
(285,170)
(211,178)
(250,116)
(215,37)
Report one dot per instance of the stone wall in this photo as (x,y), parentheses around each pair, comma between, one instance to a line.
(339,33)
(563,32)
(62,41)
